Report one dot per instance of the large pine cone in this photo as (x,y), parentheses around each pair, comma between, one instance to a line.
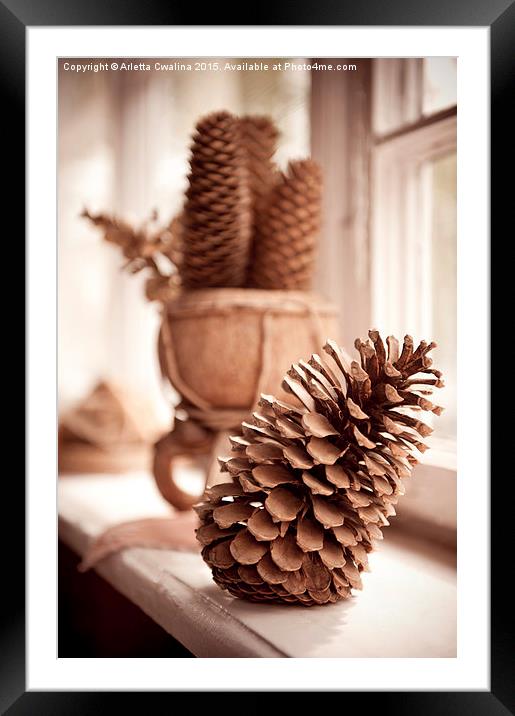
(313,484)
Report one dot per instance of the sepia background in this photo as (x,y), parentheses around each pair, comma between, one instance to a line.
(385,137)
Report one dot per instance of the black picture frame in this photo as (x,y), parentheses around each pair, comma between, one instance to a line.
(499,16)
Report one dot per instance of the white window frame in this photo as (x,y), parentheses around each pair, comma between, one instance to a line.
(401,233)
(401,225)
(369,222)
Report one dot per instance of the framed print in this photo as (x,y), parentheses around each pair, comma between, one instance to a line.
(258,287)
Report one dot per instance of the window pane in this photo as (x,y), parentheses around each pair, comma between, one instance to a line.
(439,84)
(443,249)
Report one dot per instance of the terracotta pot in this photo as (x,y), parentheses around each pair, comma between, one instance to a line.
(221,348)
(228,343)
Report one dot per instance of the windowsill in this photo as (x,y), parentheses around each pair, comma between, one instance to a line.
(431,498)
(406,609)
(442,453)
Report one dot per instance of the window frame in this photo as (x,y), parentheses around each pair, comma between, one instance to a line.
(401,231)
(352,258)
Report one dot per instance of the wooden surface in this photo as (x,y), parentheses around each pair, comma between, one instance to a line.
(406,609)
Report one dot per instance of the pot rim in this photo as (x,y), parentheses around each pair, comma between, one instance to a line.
(212,301)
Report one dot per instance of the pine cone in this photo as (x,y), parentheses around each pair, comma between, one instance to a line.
(259,137)
(217,219)
(284,256)
(314,483)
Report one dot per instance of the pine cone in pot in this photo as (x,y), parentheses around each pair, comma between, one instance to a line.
(285,248)
(314,482)
(216,219)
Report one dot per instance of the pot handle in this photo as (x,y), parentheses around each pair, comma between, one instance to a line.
(186,440)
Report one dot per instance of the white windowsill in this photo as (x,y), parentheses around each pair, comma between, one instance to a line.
(442,454)
(406,609)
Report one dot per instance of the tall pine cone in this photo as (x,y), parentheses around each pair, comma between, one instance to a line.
(284,254)
(259,136)
(313,484)
(217,219)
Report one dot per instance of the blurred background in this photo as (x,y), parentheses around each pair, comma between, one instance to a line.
(123,148)
(384,133)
